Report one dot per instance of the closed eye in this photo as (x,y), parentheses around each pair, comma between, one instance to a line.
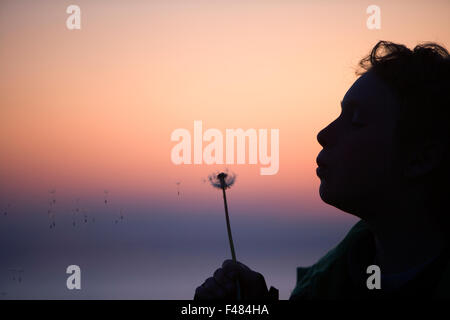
(358,124)
(351,113)
(355,122)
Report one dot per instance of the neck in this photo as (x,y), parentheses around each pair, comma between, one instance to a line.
(406,237)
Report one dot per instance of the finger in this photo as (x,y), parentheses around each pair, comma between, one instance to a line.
(232,267)
(258,278)
(235,269)
(254,286)
(202,293)
(199,293)
(212,289)
(227,282)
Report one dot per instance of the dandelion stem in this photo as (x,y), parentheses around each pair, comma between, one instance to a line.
(223,181)
(230,237)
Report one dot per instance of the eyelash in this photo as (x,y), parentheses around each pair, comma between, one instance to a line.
(357,124)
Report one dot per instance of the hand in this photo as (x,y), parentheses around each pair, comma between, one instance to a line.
(223,284)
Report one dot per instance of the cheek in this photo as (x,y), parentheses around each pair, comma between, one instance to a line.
(362,169)
(366,161)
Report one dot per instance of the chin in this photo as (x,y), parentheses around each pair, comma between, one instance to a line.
(337,200)
(325,194)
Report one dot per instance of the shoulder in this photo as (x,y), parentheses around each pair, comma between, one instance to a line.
(441,290)
(325,278)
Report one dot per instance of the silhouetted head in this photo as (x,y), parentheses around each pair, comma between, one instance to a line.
(392,136)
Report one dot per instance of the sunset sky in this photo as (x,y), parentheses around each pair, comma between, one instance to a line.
(83,111)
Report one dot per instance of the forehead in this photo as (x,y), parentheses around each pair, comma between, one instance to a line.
(371,95)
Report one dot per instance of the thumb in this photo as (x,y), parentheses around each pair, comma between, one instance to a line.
(234,269)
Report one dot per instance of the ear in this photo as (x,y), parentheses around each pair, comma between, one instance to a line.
(426,157)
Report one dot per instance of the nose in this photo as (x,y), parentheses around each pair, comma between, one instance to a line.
(327,136)
(321,137)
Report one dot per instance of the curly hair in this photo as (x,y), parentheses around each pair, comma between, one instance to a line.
(420,79)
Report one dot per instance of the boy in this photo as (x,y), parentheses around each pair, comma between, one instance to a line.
(385,160)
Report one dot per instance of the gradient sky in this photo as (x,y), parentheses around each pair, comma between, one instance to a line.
(86,110)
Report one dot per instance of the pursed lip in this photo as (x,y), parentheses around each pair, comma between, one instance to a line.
(319,160)
(322,166)
(320,171)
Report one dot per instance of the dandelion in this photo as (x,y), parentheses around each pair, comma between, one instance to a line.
(77,205)
(85,216)
(74,217)
(17,275)
(75,211)
(50,212)
(223,181)
(178,187)
(120,218)
(53,198)
(51,216)
(5,213)
(106,196)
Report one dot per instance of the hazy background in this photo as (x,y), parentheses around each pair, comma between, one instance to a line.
(83,111)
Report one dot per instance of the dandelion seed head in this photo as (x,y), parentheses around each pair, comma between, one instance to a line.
(222,180)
